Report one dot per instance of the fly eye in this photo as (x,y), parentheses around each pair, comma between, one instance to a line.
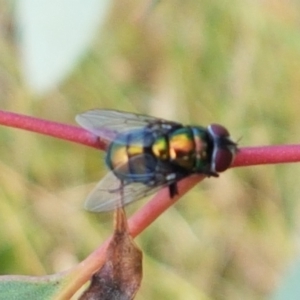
(224,149)
(218,130)
(222,159)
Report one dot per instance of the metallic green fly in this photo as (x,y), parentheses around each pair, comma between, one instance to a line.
(146,153)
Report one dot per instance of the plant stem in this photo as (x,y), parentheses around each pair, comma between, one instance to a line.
(54,129)
(277,154)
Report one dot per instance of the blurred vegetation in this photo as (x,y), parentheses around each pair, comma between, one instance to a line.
(232,62)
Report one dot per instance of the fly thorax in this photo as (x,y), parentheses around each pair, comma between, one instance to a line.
(202,151)
(182,148)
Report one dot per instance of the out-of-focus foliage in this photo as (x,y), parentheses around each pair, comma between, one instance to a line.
(289,287)
(232,62)
(52,35)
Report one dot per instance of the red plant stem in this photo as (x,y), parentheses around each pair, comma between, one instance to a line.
(262,155)
(158,204)
(54,129)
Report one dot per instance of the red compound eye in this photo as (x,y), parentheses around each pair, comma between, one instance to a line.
(218,130)
(224,148)
(222,159)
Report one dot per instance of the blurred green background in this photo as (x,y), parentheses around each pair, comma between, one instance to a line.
(232,62)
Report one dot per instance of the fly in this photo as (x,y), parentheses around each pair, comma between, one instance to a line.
(146,153)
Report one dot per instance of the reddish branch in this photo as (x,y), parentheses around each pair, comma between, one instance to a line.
(54,129)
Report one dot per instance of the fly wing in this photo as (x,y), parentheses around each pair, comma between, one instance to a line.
(108,123)
(109,193)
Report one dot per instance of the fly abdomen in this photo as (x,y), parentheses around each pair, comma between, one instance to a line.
(129,158)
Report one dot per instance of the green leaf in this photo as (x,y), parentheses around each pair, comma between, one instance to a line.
(29,287)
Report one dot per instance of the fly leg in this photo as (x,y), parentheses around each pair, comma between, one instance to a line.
(210,173)
(173,189)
